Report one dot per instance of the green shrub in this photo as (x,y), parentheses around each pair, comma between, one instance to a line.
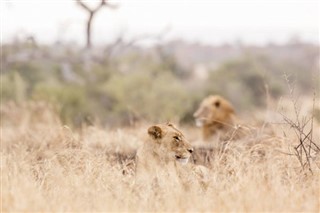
(13,87)
(146,85)
(245,82)
(157,97)
(72,100)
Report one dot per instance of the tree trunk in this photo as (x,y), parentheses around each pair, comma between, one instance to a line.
(89,30)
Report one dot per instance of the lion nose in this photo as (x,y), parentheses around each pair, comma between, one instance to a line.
(190,150)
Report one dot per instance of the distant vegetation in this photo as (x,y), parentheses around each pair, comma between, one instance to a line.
(157,84)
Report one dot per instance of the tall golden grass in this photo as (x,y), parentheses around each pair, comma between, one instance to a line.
(48,167)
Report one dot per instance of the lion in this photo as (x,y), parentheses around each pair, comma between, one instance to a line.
(164,159)
(217,116)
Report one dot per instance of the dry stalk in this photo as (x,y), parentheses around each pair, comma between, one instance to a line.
(303,129)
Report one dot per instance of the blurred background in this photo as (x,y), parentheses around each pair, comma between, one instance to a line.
(116,63)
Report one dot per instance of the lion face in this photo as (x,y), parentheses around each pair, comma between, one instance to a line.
(171,142)
(213,109)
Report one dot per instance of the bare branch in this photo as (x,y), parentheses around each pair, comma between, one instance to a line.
(302,126)
(84,6)
(102,3)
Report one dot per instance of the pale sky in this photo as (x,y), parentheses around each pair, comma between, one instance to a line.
(207,21)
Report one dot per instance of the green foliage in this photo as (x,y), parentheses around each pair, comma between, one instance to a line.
(157,97)
(13,87)
(74,106)
(30,71)
(245,81)
(139,85)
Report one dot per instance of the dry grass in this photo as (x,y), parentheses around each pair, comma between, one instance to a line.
(46,167)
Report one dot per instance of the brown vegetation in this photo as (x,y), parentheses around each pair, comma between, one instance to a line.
(49,167)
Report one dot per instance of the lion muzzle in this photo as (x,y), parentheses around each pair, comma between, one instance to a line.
(182,160)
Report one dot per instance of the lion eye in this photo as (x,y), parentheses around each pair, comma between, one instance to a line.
(177,138)
(217,104)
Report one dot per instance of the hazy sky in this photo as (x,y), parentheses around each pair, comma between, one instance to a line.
(208,21)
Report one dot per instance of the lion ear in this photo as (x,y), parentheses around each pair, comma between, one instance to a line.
(155,132)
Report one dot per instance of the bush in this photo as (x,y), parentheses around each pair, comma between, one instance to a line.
(145,95)
(145,84)
(13,87)
(245,81)
(71,99)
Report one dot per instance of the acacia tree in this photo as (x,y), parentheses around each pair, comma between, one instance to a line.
(92,12)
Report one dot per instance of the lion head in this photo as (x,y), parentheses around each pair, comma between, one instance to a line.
(163,160)
(214,113)
(170,143)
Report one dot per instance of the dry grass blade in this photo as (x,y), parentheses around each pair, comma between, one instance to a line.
(46,167)
(303,129)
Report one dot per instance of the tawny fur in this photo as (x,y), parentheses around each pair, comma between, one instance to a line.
(161,155)
(216,116)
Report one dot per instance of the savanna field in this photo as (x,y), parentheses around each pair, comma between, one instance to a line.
(73,120)
(47,166)
(159,106)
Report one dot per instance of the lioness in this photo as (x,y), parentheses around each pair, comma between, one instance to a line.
(164,157)
(216,116)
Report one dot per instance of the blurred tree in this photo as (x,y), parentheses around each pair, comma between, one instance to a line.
(245,80)
(92,13)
